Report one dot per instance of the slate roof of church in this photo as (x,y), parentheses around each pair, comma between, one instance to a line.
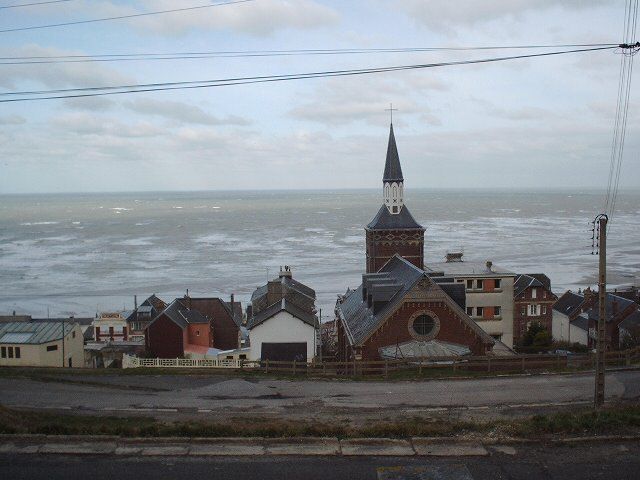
(360,320)
(392,169)
(384,220)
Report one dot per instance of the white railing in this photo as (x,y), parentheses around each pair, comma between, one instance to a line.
(130,361)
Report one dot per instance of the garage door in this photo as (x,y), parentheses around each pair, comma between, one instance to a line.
(286,352)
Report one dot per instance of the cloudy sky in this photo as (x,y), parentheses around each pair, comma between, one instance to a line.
(544,122)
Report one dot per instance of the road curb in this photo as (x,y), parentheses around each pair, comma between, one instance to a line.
(296,446)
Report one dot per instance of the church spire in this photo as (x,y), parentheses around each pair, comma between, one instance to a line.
(392,169)
(392,180)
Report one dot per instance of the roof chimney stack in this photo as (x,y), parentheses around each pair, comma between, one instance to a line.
(286,272)
(454,257)
(489,265)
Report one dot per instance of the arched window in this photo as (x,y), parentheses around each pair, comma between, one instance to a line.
(395,191)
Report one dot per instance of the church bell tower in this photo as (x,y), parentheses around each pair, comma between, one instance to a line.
(393,230)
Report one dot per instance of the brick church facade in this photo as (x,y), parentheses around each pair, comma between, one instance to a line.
(399,310)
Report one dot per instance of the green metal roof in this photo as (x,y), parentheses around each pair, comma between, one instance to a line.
(33,333)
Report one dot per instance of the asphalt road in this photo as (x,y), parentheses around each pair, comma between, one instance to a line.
(216,395)
(578,462)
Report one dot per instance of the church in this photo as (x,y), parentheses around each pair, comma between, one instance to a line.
(400,310)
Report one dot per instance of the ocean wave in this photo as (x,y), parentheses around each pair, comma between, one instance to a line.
(39,223)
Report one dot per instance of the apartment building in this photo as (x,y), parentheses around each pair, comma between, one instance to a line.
(489,293)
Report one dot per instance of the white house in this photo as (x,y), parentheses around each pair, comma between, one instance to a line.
(283,332)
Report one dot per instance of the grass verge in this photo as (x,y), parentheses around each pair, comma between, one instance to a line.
(612,420)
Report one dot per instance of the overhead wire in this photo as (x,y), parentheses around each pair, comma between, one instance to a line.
(114,57)
(122,17)
(163,86)
(33,4)
(622,108)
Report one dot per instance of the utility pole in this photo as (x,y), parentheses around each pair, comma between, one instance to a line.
(601,237)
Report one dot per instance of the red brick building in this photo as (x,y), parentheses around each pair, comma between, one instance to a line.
(401,312)
(532,302)
(176,329)
(393,229)
(225,318)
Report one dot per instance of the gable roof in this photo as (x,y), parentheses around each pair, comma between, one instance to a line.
(179,314)
(568,303)
(33,332)
(282,305)
(155,302)
(526,280)
(390,285)
(392,169)
(384,220)
(623,303)
(631,322)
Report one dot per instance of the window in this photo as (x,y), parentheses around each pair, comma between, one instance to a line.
(470,311)
(197,333)
(17,352)
(229,357)
(498,283)
(523,311)
(479,283)
(3,352)
(73,334)
(469,284)
(544,309)
(534,310)
(395,209)
(242,356)
(496,311)
(10,352)
(479,311)
(534,293)
(544,294)
(424,325)
(52,348)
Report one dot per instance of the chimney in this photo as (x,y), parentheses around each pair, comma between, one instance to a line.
(233,314)
(286,272)
(454,257)
(489,265)
(135,302)
(14,313)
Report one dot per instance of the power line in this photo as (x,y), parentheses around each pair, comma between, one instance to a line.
(153,87)
(19,5)
(121,17)
(29,60)
(622,106)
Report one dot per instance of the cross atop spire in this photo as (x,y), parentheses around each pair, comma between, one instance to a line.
(391,110)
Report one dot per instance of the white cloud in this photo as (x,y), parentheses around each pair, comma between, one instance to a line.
(442,15)
(58,75)
(365,98)
(259,17)
(12,120)
(180,112)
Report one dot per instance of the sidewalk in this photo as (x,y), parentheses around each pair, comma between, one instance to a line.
(239,447)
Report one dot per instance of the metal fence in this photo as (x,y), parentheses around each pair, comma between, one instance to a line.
(413,366)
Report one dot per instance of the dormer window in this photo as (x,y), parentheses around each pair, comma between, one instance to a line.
(395,209)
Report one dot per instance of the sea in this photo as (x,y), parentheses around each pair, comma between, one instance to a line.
(79,254)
